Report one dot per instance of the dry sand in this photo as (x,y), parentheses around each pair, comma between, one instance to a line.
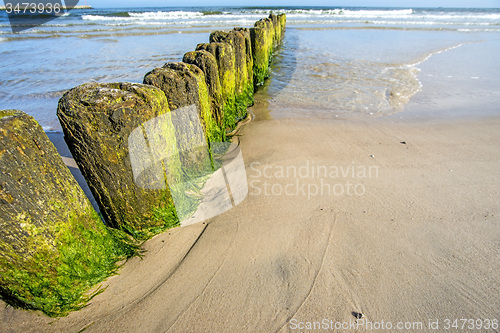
(422,242)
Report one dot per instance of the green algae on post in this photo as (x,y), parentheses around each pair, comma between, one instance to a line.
(265,36)
(207,63)
(260,52)
(224,55)
(184,85)
(249,60)
(243,91)
(53,246)
(7,113)
(282,20)
(97,120)
(278,27)
(195,128)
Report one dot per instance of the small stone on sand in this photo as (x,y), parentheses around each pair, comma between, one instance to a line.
(358,315)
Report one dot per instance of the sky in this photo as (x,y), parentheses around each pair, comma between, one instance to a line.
(334,3)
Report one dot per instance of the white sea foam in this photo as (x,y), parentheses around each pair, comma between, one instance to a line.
(165,15)
(339,11)
(377,13)
(461,16)
(430,54)
(159,15)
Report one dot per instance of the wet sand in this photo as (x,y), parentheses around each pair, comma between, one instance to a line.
(415,241)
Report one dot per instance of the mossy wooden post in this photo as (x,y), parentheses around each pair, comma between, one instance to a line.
(207,63)
(243,90)
(53,245)
(259,35)
(187,94)
(224,55)
(271,35)
(282,19)
(185,85)
(277,28)
(97,120)
(248,58)
(267,24)
(265,36)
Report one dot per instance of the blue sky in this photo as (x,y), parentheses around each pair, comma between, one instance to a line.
(344,3)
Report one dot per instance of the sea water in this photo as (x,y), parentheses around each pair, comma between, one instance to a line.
(333,63)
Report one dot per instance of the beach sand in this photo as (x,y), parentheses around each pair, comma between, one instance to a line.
(417,240)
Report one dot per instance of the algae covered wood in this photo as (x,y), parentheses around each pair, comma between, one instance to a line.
(279,22)
(282,20)
(267,24)
(265,36)
(244,86)
(53,245)
(184,85)
(260,37)
(187,93)
(97,120)
(224,55)
(277,28)
(207,63)
(248,58)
